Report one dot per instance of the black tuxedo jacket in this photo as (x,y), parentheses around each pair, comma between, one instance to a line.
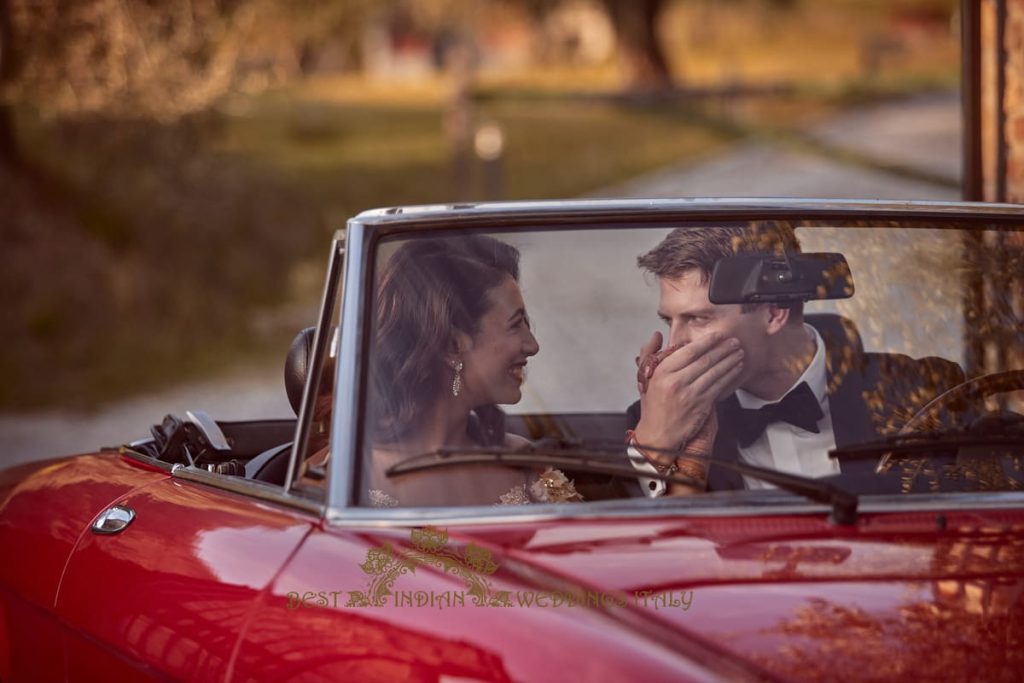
(870,395)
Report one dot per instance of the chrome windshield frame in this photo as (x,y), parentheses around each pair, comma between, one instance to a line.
(354,294)
(336,265)
(365,231)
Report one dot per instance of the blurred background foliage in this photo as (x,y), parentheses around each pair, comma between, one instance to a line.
(172,170)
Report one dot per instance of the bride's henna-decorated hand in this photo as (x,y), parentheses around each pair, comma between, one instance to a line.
(678,388)
(703,441)
(697,447)
(647,364)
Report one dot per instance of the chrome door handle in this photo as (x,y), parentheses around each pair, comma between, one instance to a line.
(113,520)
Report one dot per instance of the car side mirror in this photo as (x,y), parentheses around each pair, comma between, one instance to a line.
(780,279)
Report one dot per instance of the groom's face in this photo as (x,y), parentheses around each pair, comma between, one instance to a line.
(684,307)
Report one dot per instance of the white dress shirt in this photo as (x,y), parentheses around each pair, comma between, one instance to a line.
(782,446)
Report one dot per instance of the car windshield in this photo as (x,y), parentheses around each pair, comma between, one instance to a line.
(878,356)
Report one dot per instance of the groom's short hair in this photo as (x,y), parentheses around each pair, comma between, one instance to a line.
(701,247)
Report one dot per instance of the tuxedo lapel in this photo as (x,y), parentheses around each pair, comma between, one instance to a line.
(847,384)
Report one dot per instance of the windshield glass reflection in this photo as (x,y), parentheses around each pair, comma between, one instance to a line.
(689,347)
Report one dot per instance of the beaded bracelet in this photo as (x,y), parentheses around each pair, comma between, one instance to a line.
(669,469)
(692,469)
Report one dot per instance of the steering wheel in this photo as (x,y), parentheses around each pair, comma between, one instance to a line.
(957,398)
(970,391)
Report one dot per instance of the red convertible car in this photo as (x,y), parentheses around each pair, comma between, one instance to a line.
(523,452)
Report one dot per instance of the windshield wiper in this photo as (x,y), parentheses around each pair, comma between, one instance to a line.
(592,456)
(988,431)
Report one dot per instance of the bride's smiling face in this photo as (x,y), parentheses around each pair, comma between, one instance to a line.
(494,360)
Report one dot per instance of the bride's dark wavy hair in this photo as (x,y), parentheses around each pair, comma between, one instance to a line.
(428,289)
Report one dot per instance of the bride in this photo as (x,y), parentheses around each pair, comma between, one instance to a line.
(451,341)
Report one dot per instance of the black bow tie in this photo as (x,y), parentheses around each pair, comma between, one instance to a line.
(799,408)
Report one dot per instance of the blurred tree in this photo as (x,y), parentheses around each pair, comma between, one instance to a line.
(636,28)
(636,22)
(160,59)
(107,177)
(156,59)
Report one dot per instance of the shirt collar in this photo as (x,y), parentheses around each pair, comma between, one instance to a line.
(814,374)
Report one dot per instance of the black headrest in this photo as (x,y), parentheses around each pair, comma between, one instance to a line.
(296,366)
(835,330)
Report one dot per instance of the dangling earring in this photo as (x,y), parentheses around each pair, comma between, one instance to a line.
(457,380)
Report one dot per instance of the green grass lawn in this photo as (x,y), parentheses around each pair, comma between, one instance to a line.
(350,155)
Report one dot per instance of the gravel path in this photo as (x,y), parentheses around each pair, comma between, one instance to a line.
(922,133)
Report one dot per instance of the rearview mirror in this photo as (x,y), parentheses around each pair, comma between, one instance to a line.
(793,277)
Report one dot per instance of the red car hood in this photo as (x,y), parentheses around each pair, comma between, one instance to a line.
(937,596)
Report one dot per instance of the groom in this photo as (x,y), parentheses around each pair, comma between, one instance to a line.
(759,383)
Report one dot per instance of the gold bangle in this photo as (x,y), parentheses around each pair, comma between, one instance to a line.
(666,470)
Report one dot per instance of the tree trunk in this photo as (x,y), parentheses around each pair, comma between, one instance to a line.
(10,154)
(636,29)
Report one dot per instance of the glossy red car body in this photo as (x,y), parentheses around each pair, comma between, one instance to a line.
(201,592)
(209,583)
